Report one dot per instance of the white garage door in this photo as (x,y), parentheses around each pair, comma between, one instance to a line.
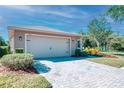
(42,46)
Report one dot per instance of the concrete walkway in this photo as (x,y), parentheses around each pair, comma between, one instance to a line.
(78,73)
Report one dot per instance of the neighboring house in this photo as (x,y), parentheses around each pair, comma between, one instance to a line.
(43,42)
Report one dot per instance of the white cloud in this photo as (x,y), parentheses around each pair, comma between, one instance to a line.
(60,13)
(20,7)
(65,11)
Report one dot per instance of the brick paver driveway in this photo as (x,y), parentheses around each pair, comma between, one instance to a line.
(75,73)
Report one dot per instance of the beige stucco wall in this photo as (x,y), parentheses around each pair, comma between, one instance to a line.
(73,45)
(11,40)
(16,43)
(19,43)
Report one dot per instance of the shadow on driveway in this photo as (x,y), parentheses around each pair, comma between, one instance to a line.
(64,59)
(40,68)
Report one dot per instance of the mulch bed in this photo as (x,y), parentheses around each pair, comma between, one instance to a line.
(5,69)
(101,55)
(106,56)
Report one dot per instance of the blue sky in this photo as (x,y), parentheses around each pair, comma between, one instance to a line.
(67,18)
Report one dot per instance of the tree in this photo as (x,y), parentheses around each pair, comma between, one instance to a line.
(116,12)
(83,37)
(115,42)
(2,41)
(113,38)
(99,30)
(122,41)
(87,43)
(116,46)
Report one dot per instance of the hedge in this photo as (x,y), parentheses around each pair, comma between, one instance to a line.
(17,61)
(19,50)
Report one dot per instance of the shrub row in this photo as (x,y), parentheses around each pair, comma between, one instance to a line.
(79,53)
(5,50)
(19,50)
(91,51)
(86,52)
(17,61)
(118,47)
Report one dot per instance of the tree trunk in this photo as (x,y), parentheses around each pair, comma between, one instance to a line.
(97,43)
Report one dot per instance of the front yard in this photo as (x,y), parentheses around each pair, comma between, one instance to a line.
(13,80)
(21,79)
(28,78)
(115,62)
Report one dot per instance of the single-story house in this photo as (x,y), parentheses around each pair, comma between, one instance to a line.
(43,42)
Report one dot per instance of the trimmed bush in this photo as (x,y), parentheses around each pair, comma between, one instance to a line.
(77,52)
(17,61)
(87,50)
(91,51)
(4,50)
(19,50)
(84,54)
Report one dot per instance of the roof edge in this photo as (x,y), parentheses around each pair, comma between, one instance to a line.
(42,30)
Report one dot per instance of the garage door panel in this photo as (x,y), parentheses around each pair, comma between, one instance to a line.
(39,47)
(42,47)
(61,47)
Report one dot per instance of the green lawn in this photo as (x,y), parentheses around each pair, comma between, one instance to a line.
(11,80)
(115,62)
